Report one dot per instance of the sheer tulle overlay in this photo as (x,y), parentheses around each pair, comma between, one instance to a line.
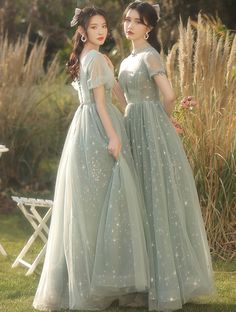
(96,249)
(180,264)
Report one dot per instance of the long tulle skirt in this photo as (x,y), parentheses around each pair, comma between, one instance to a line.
(96,248)
(180,262)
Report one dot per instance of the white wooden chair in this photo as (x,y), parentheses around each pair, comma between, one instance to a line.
(3,149)
(30,208)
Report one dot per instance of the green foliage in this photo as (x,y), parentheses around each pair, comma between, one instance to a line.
(50,19)
(36,107)
(35,111)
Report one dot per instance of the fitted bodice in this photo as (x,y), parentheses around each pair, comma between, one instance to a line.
(136,75)
(94,72)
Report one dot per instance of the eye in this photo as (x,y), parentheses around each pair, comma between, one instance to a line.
(94,27)
(104,26)
(127,19)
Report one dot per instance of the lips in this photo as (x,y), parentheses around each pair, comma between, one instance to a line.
(100,38)
(129,33)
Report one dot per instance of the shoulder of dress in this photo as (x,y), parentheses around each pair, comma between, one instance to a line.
(125,60)
(152,52)
(151,55)
(94,55)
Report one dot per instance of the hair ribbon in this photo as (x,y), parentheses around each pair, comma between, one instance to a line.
(74,20)
(158,11)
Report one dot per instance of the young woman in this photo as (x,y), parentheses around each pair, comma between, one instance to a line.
(180,261)
(96,248)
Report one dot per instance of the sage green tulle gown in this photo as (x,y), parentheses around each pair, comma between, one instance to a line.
(180,263)
(96,249)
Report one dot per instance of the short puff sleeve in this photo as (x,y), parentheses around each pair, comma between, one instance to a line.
(154,64)
(99,72)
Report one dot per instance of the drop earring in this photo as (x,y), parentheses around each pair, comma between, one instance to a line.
(83,38)
(146,36)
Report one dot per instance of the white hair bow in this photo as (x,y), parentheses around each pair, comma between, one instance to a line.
(74,20)
(158,10)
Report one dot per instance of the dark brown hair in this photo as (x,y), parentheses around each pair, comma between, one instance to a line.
(148,17)
(78,45)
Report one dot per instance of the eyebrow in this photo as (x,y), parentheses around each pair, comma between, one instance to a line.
(136,19)
(94,24)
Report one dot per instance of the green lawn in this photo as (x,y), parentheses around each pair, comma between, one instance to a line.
(17,290)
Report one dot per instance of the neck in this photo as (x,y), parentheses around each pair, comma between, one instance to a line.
(90,46)
(136,44)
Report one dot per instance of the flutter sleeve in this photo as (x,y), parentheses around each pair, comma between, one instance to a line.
(154,64)
(99,73)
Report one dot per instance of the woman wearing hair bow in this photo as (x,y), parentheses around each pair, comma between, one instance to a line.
(96,248)
(180,263)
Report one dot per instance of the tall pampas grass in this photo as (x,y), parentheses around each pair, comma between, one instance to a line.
(203,65)
(35,109)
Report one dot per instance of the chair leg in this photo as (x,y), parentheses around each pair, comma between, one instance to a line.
(38,221)
(36,261)
(2,251)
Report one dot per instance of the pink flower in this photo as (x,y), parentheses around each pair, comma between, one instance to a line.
(188,102)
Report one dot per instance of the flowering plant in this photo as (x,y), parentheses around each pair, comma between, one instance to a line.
(187,103)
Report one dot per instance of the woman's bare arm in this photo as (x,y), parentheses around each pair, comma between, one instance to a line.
(116,91)
(114,146)
(167,92)
(119,94)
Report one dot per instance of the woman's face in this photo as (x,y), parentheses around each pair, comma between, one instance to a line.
(133,27)
(97,30)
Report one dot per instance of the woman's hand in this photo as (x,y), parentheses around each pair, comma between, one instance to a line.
(114,146)
(177,126)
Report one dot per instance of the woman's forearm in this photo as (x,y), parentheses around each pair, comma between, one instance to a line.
(119,94)
(167,92)
(99,96)
(168,106)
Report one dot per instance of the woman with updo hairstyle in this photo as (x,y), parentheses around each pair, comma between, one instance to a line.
(96,250)
(180,262)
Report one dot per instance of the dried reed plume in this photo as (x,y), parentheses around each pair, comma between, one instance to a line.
(203,65)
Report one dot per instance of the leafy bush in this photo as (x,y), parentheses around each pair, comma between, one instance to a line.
(35,109)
